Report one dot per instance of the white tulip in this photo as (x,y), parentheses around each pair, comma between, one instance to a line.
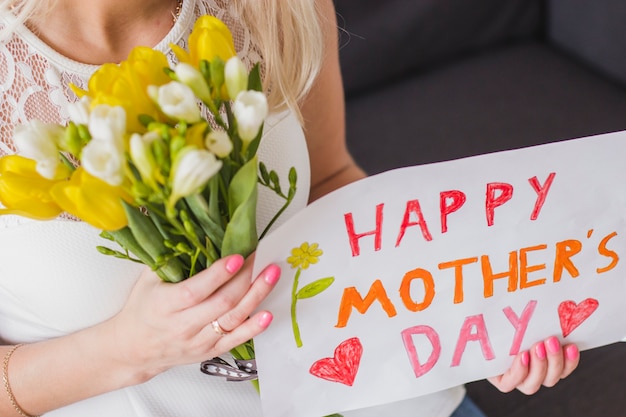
(38,141)
(219,143)
(108,123)
(236,76)
(192,170)
(192,78)
(79,111)
(179,102)
(104,160)
(250,109)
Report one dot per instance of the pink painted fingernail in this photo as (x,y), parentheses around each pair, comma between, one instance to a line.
(265,319)
(540,350)
(271,274)
(553,345)
(234,263)
(571,352)
(525,358)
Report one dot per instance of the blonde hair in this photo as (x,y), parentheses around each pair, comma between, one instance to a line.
(290,38)
(288,34)
(23,11)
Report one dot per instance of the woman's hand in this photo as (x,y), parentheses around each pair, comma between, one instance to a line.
(545,364)
(164,324)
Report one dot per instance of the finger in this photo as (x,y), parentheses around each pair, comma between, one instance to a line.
(229,295)
(247,330)
(207,343)
(199,287)
(514,376)
(556,361)
(538,370)
(257,292)
(572,358)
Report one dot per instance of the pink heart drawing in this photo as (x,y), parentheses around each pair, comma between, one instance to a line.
(572,315)
(343,366)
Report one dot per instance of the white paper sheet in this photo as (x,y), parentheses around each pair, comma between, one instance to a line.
(414,250)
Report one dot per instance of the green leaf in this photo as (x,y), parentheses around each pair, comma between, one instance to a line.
(205,70)
(253,146)
(214,201)
(200,209)
(243,186)
(125,238)
(149,240)
(240,235)
(314,288)
(254,79)
(217,72)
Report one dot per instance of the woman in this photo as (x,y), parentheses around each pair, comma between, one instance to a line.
(102,337)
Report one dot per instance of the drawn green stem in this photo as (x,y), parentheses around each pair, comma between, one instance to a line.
(294,321)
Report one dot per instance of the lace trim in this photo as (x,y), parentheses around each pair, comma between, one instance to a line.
(34,79)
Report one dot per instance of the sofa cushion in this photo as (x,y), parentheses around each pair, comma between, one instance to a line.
(504,98)
(594,31)
(387,39)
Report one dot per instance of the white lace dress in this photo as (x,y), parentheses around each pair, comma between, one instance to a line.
(53,281)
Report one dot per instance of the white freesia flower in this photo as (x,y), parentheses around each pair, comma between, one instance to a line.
(219,143)
(104,160)
(250,110)
(38,141)
(178,101)
(108,123)
(153,93)
(142,156)
(191,77)
(79,111)
(236,76)
(192,170)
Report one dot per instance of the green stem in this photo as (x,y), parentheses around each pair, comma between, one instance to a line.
(181,229)
(194,261)
(276,216)
(294,321)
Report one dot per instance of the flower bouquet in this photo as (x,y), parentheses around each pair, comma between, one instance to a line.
(162,160)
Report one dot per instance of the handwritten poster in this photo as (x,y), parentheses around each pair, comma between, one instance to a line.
(427,277)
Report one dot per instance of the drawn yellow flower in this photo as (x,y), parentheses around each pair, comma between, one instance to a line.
(305,255)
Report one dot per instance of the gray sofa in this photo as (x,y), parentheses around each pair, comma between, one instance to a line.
(442,79)
(433,80)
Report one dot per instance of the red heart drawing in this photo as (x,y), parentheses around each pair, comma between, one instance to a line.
(572,315)
(343,366)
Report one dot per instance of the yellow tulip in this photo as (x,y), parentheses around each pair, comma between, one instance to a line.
(126,85)
(147,65)
(92,200)
(24,192)
(209,38)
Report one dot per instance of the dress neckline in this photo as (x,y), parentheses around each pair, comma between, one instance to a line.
(182,25)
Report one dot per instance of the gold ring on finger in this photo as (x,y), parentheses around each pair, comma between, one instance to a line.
(218,329)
